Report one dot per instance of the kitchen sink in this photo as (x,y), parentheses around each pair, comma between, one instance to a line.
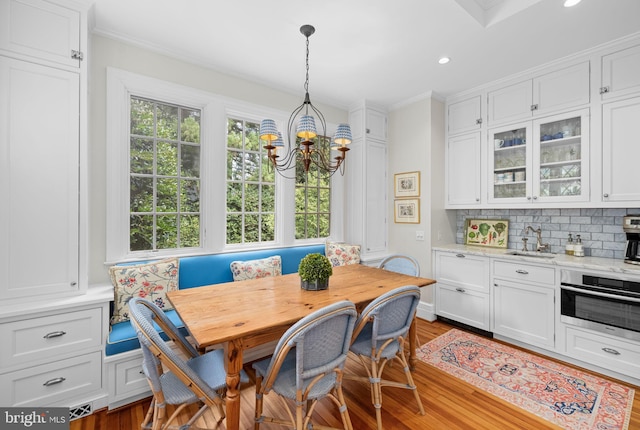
(532,254)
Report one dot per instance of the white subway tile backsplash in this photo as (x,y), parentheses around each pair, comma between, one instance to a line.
(600,229)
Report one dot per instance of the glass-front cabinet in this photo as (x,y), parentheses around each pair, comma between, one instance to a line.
(545,160)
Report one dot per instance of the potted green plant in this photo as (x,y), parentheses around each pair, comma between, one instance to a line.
(315,270)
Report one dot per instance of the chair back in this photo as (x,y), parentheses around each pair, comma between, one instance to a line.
(145,317)
(321,341)
(401,263)
(390,315)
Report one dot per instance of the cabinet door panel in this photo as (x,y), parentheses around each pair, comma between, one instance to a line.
(39,179)
(462,270)
(58,30)
(562,89)
(469,307)
(463,170)
(510,103)
(620,150)
(464,116)
(376,220)
(621,73)
(524,313)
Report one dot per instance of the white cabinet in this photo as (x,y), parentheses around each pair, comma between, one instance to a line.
(543,161)
(551,92)
(464,116)
(54,357)
(612,353)
(621,73)
(462,289)
(58,35)
(620,151)
(524,302)
(367,220)
(463,161)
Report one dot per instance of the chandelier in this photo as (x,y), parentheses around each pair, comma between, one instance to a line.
(302,125)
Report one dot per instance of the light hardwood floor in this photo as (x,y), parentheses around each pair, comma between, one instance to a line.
(449,404)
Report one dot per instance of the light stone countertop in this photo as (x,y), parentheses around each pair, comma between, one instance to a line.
(588,263)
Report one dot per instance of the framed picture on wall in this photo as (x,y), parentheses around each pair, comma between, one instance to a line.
(407,211)
(406,184)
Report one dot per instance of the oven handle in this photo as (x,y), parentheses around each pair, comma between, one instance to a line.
(596,293)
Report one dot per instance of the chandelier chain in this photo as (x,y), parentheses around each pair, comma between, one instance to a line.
(306,82)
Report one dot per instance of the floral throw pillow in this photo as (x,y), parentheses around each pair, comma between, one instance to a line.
(252,269)
(151,281)
(341,254)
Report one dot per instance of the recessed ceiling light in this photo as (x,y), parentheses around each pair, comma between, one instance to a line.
(570,3)
(444,60)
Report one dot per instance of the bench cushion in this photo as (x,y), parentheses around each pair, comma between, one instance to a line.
(122,336)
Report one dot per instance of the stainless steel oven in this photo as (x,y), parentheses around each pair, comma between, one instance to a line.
(608,304)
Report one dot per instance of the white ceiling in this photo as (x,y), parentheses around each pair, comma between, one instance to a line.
(383,51)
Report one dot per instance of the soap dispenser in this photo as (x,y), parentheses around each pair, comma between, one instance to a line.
(578,249)
(569,247)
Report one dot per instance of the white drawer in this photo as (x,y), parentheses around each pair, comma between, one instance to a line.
(41,338)
(129,379)
(468,307)
(51,383)
(613,354)
(524,272)
(463,270)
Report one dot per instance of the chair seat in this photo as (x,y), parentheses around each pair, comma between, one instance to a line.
(362,345)
(285,383)
(175,392)
(210,367)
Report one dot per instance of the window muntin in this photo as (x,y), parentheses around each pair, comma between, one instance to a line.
(164,188)
(313,198)
(251,188)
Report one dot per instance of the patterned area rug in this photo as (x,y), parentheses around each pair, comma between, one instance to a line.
(559,394)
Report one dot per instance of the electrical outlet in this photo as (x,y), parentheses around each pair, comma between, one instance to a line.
(419,235)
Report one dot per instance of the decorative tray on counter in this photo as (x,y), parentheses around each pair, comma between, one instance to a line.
(493,233)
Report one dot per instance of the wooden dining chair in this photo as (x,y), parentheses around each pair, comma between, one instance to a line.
(379,338)
(191,377)
(307,366)
(401,263)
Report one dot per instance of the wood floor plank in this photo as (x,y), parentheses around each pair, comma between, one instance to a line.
(449,403)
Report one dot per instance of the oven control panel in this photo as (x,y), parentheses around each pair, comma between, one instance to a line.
(631,223)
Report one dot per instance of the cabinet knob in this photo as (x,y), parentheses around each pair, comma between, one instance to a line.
(460,255)
(606,195)
(477,199)
(610,351)
(522,272)
(528,197)
(479,121)
(461,290)
(534,107)
(535,197)
(73,284)
(604,90)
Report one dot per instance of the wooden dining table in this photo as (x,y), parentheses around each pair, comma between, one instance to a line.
(249,313)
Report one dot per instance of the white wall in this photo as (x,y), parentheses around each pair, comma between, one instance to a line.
(105,53)
(416,142)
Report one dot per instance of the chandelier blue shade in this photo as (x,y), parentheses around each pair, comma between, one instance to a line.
(306,127)
(305,144)
(343,135)
(268,130)
(278,143)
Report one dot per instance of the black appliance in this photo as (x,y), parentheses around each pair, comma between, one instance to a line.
(631,226)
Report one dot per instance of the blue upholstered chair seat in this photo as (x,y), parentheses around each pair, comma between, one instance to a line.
(123,336)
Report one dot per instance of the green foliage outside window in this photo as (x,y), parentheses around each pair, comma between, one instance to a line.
(313,198)
(164,176)
(251,194)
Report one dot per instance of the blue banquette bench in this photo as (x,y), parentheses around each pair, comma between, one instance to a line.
(207,270)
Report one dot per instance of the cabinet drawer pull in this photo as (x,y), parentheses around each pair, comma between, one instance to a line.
(611,351)
(461,290)
(54,334)
(460,255)
(522,272)
(54,381)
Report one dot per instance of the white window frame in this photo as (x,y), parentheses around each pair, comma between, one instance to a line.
(121,85)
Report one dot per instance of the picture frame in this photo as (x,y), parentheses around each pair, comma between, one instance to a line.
(407,211)
(492,233)
(406,184)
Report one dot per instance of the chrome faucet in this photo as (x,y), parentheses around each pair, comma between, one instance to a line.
(540,247)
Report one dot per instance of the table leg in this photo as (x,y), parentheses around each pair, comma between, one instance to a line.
(413,335)
(233,364)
